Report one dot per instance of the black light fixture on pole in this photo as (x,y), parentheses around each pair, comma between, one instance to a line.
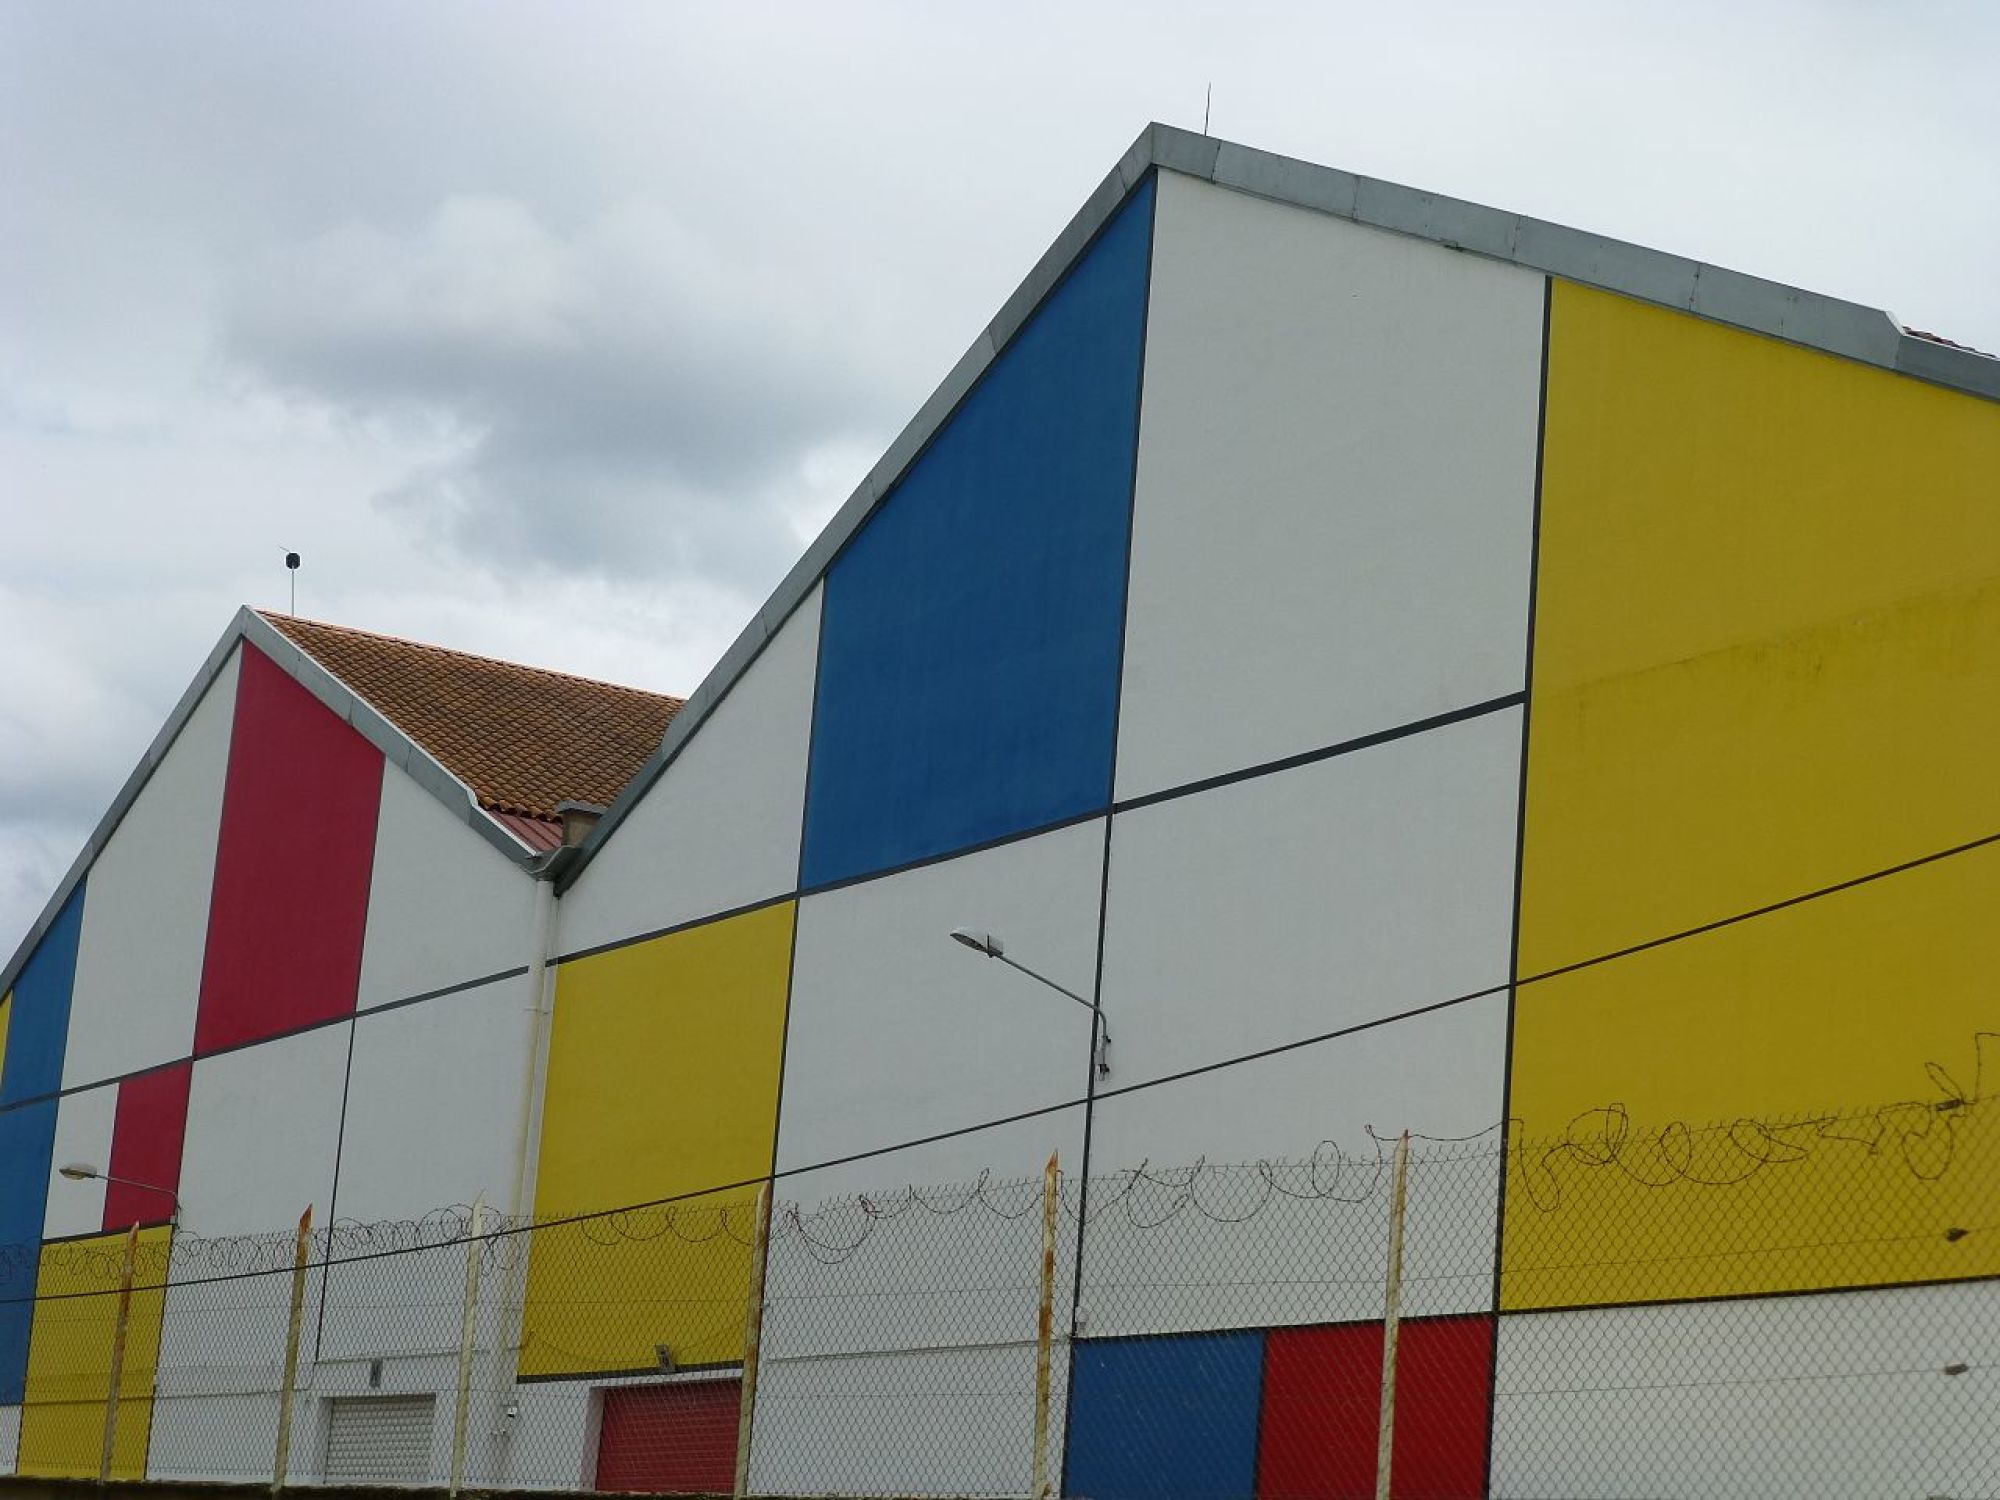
(990,946)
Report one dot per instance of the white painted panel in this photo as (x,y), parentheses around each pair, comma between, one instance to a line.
(720,828)
(942,1422)
(900,1324)
(1256,1196)
(554,1442)
(83,1134)
(221,1361)
(1842,1395)
(897,1032)
(10,1437)
(444,906)
(145,915)
(1336,893)
(263,1131)
(921,1258)
(433,1104)
(215,1438)
(1335,486)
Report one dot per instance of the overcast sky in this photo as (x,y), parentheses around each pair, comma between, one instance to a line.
(554,331)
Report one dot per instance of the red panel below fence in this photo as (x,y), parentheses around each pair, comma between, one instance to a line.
(1322,1400)
(669,1439)
(292,865)
(146,1139)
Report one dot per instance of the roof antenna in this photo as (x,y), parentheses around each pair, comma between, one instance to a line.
(1207,98)
(292,570)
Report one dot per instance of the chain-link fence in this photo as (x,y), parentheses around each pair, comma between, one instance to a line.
(1807,1307)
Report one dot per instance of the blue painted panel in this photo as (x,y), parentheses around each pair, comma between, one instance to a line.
(38,1030)
(1175,1415)
(970,634)
(27,1142)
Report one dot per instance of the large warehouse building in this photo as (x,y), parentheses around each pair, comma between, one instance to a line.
(1414,667)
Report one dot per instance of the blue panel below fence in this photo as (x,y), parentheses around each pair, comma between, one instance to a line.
(971,631)
(27,1142)
(1173,1415)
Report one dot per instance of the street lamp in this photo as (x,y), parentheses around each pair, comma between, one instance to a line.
(83,1171)
(988,945)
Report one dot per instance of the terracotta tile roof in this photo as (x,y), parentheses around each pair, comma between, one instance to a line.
(523,738)
(1938,338)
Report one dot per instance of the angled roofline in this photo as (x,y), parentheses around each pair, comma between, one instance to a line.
(398,748)
(1796,316)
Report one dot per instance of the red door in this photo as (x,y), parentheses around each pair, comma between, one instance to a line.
(675,1439)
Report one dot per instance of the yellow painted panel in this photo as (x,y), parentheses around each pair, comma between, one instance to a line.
(663,1079)
(1767,607)
(69,1358)
(1849,1029)
(1767,660)
(6,1013)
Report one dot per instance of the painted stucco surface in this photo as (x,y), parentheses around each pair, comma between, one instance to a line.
(663,1080)
(1767,661)
(62,1423)
(970,634)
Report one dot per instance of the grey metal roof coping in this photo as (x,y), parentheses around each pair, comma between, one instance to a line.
(1848,329)
(1827,323)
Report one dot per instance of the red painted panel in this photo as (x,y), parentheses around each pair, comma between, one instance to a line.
(292,865)
(1322,1400)
(146,1146)
(669,1439)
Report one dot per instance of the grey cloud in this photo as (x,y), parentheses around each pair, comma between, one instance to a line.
(626,397)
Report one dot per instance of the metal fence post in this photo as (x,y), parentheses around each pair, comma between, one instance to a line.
(1392,1312)
(117,1378)
(753,1341)
(1045,1332)
(301,1252)
(468,1335)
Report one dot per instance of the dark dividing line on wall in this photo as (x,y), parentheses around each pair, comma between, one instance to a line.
(792,958)
(333,1194)
(1327,752)
(1299,1043)
(277,1036)
(999,842)
(103,1234)
(614,944)
(1934,857)
(1290,762)
(819,665)
(1520,862)
(643,1372)
(1217,1066)
(1257,1485)
(1486,1316)
(1787,1293)
(346,1089)
(798,873)
(1098,1026)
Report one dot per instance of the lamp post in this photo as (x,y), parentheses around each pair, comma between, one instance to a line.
(82,1171)
(989,945)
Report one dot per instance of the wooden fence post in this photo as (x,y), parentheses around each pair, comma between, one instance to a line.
(301,1253)
(753,1341)
(1392,1313)
(117,1378)
(468,1336)
(1045,1322)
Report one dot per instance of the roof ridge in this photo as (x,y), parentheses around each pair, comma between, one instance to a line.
(278,620)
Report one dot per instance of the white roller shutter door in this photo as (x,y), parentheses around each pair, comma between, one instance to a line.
(379,1439)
